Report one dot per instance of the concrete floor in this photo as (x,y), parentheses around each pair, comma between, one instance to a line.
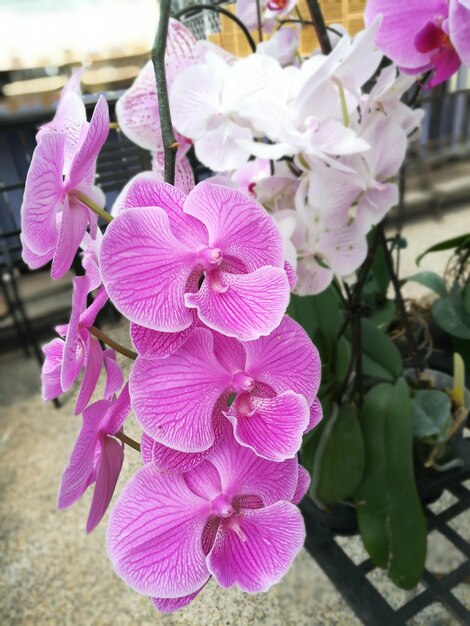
(52,574)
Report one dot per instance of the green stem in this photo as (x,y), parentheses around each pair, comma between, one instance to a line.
(158,58)
(91,204)
(99,334)
(128,441)
(319,25)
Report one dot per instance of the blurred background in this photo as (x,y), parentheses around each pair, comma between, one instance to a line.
(50,572)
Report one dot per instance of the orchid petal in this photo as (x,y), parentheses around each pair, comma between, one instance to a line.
(246,306)
(112,457)
(169,605)
(43,194)
(285,360)
(72,228)
(260,551)
(238,226)
(155,535)
(316,415)
(117,413)
(274,427)
(50,373)
(302,485)
(69,363)
(78,474)
(146,270)
(114,376)
(93,364)
(174,398)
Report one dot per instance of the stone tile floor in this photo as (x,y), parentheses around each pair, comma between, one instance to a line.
(52,573)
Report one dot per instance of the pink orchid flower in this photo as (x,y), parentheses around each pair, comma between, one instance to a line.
(231,517)
(53,219)
(272,383)
(137,110)
(96,457)
(270,11)
(421,36)
(65,359)
(90,258)
(153,257)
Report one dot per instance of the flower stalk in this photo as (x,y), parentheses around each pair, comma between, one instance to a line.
(91,204)
(99,334)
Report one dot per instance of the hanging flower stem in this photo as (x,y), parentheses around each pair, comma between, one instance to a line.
(91,204)
(319,25)
(128,441)
(158,58)
(99,334)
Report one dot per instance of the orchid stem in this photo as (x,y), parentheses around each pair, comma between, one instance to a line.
(259,20)
(128,441)
(158,60)
(91,204)
(319,26)
(99,334)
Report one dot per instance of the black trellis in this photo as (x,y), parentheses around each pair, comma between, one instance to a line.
(351,579)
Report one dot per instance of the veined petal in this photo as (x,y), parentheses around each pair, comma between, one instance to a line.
(459,22)
(243,473)
(285,360)
(225,147)
(236,224)
(80,293)
(72,228)
(50,373)
(79,471)
(260,551)
(169,605)
(374,205)
(155,535)
(93,364)
(117,412)
(174,398)
(312,278)
(153,344)
(145,191)
(43,194)
(146,269)
(114,376)
(316,415)
(87,154)
(247,306)
(33,260)
(274,427)
(112,457)
(303,483)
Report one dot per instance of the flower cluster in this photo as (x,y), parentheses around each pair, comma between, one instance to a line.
(223,383)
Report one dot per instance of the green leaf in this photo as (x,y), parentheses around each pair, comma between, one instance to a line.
(383,315)
(342,458)
(371,495)
(462,241)
(431,280)
(379,268)
(317,312)
(343,358)
(431,410)
(406,521)
(450,314)
(380,357)
(466,297)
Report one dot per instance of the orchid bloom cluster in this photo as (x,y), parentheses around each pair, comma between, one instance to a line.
(223,383)
(325,148)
